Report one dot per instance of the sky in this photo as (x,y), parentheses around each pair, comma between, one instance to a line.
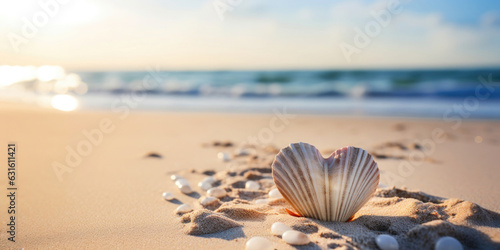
(244,34)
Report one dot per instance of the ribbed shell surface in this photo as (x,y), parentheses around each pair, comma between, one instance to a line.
(331,189)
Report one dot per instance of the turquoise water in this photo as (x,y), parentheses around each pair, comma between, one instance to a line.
(446,94)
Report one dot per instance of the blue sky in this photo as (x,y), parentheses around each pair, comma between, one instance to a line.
(257,34)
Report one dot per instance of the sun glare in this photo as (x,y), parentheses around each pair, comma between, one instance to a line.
(13,74)
(48,73)
(64,102)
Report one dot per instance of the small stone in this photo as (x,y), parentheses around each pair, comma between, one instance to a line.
(204,185)
(168,196)
(252,185)
(261,201)
(241,152)
(386,242)
(382,185)
(205,201)
(181,181)
(184,208)
(175,177)
(216,192)
(184,186)
(279,228)
(223,156)
(275,194)
(210,180)
(259,243)
(294,237)
(448,243)
(186,189)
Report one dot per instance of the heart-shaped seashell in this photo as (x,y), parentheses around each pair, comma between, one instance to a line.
(331,189)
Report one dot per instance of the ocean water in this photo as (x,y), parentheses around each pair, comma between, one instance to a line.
(469,93)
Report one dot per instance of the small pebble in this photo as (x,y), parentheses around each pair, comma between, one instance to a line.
(181,181)
(382,185)
(204,185)
(275,194)
(259,243)
(294,237)
(168,196)
(184,208)
(279,228)
(205,201)
(448,243)
(211,180)
(223,156)
(387,242)
(252,185)
(184,186)
(241,152)
(261,201)
(216,192)
(175,177)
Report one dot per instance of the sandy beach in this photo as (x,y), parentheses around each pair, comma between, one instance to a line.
(112,196)
(255,125)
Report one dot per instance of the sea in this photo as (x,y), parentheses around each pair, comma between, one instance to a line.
(434,93)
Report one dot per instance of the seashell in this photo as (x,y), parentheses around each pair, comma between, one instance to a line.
(448,243)
(252,185)
(184,208)
(275,194)
(386,242)
(259,243)
(216,192)
(294,237)
(330,189)
(168,196)
(279,228)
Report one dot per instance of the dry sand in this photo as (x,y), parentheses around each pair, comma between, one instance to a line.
(112,198)
(415,219)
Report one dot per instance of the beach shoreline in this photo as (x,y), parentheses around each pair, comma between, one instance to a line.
(112,197)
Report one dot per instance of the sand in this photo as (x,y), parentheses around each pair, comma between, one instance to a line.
(112,198)
(415,219)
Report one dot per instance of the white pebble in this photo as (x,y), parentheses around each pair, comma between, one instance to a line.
(216,192)
(275,194)
(387,242)
(382,185)
(184,208)
(261,201)
(184,186)
(448,243)
(204,185)
(294,237)
(210,179)
(186,189)
(223,156)
(252,185)
(258,243)
(168,196)
(279,228)
(205,201)
(181,181)
(175,177)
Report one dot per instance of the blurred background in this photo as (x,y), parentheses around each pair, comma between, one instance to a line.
(375,58)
